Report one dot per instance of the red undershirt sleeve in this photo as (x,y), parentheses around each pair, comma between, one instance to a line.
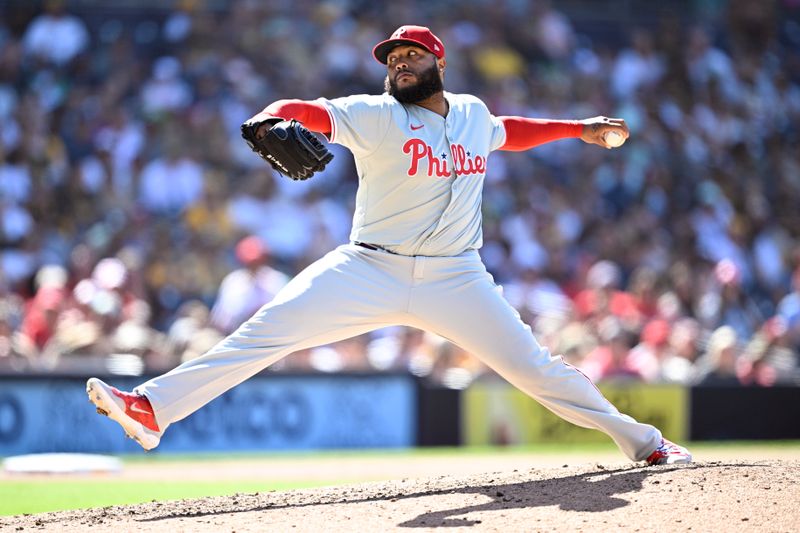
(524,133)
(312,115)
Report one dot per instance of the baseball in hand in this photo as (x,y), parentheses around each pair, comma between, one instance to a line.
(614,138)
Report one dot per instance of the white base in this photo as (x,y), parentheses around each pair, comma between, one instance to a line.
(61,463)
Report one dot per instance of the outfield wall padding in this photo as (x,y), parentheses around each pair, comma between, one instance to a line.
(737,413)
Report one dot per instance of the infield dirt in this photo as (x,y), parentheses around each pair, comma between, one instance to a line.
(720,496)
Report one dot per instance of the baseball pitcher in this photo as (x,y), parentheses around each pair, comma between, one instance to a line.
(421,156)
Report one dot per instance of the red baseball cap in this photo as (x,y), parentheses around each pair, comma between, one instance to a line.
(251,249)
(416,35)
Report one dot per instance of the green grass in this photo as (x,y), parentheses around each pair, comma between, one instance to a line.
(36,494)
(539,449)
(547,448)
(39,496)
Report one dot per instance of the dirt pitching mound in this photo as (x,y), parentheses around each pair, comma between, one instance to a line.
(704,496)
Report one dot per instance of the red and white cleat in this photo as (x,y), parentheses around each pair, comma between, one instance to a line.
(669,453)
(131,411)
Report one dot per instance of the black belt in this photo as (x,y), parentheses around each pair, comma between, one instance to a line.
(374,247)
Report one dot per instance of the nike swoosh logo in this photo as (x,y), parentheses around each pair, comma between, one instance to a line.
(415,128)
(136,409)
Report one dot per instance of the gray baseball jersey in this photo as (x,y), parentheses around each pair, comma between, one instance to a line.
(419,196)
(420,174)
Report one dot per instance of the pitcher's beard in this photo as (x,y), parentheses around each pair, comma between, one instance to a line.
(429,84)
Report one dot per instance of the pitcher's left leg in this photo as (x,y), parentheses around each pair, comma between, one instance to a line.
(461,303)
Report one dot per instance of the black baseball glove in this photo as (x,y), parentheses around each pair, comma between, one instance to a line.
(288,146)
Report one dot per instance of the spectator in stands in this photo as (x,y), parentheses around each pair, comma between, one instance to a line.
(736,307)
(648,357)
(55,36)
(610,360)
(172,183)
(189,336)
(9,359)
(603,297)
(41,319)
(678,366)
(43,311)
(638,66)
(718,366)
(165,91)
(768,358)
(246,289)
(121,132)
(789,310)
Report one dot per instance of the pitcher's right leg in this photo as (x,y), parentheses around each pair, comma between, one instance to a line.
(344,294)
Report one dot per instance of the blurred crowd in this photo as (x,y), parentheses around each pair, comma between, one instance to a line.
(137,228)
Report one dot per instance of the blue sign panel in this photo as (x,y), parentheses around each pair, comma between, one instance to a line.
(264,413)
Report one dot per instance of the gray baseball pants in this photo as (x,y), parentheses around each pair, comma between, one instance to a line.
(353,290)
